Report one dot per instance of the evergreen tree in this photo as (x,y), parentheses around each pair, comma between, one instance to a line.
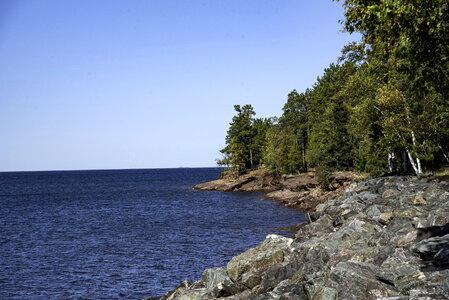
(329,144)
(294,122)
(245,140)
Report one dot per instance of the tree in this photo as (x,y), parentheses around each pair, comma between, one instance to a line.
(410,38)
(260,127)
(239,140)
(369,150)
(329,145)
(294,121)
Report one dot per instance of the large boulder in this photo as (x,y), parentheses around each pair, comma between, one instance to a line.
(275,249)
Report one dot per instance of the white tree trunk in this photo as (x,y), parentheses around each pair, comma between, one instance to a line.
(412,162)
(444,154)
(391,162)
(417,167)
(418,163)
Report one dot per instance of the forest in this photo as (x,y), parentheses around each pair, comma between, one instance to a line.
(382,107)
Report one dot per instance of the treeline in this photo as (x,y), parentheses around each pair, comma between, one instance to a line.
(383,107)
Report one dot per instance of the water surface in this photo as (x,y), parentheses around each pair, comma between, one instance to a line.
(122,233)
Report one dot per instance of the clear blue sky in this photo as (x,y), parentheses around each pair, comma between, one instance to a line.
(92,84)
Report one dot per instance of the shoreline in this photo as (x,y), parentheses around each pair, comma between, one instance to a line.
(301,192)
(384,238)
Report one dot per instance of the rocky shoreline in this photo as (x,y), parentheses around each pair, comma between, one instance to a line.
(302,191)
(384,238)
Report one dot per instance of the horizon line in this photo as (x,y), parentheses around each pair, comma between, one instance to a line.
(103,169)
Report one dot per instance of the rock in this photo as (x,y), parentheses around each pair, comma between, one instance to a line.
(221,290)
(176,292)
(385,217)
(245,295)
(218,185)
(407,239)
(445,285)
(196,294)
(321,226)
(214,276)
(390,193)
(258,180)
(357,234)
(275,249)
(301,191)
(434,250)
(287,290)
(251,279)
(399,264)
(358,281)
(359,255)
(341,179)
(300,183)
(284,196)
(373,211)
(325,293)
(276,273)
(418,199)
(217,278)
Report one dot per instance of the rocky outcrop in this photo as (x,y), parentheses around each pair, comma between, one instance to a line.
(384,238)
(301,191)
(305,193)
(255,181)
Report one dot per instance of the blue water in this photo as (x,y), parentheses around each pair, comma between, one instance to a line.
(122,233)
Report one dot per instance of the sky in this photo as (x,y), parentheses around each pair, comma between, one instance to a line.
(108,84)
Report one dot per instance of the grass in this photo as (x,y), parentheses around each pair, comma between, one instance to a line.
(441,174)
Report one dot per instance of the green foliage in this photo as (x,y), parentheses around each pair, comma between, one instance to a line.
(411,40)
(330,142)
(245,140)
(383,108)
(322,175)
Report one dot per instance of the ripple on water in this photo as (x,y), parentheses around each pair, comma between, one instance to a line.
(122,233)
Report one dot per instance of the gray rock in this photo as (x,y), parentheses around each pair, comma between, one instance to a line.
(373,211)
(358,281)
(434,250)
(251,279)
(218,279)
(390,193)
(197,294)
(275,249)
(276,273)
(245,295)
(401,269)
(286,290)
(445,285)
(384,218)
(368,198)
(214,276)
(325,293)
